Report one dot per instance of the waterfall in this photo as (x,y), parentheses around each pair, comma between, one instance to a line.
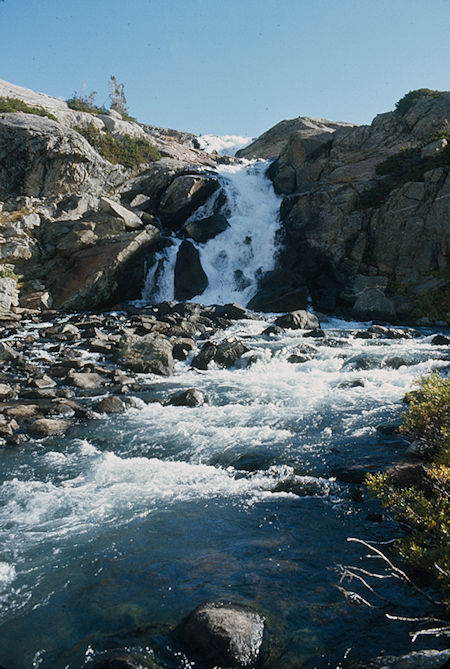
(236,259)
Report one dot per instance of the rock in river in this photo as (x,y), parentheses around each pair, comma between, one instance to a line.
(149,353)
(227,635)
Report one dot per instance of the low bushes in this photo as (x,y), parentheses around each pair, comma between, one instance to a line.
(15,105)
(423,509)
(127,151)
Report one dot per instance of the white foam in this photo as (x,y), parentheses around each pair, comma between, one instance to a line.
(224,145)
(7,574)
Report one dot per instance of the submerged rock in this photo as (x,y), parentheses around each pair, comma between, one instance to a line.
(227,635)
(188,398)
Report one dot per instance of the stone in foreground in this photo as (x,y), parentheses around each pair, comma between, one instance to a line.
(192,397)
(298,320)
(147,354)
(227,635)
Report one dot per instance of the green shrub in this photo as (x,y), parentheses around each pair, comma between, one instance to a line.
(424,508)
(410,99)
(85,103)
(15,105)
(128,151)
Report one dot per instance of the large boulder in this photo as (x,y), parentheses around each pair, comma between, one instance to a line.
(84,274)
(205,229)
(149,353)
(184,195)
(226,635)
(41,158)
(373,303)
(190,277)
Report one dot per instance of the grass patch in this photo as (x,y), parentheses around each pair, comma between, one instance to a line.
(8,105)
(127,151)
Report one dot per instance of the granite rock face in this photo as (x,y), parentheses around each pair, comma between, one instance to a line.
(80,230)
(369,201)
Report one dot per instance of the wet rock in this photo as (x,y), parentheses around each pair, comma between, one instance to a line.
(119,662)
(421,659)
(8,426)
(388,429)
(86,380)
(279,299)
(204,357)
(190,278)
(44,381)
(150,353)
(356,383)
(205,229)
(48,427)
(188,398)
(353,474)
(273,330)
(111,404)
(440,340)
(21,411)
(229,351)
(236,312)
(227,635)
(7,353)
(317,333)
(181,348)
(298,320)
(184,195)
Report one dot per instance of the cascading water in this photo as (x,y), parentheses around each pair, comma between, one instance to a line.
(237,258)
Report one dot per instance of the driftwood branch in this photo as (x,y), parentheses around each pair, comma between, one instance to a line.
(439,627)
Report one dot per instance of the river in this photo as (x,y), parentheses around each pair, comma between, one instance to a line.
(115,532)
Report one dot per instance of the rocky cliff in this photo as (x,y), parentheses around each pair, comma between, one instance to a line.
(76,228)
(366,212)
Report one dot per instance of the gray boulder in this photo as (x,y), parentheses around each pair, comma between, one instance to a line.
(184,195)
(150,353)
(227,635)
(190,277)
(41,158)
(204,357)
(205,229)
(298,320)
(229,351)
(188,398)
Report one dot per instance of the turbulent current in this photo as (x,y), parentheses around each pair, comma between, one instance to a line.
(112,534)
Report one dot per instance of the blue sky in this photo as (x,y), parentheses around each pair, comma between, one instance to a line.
(230,66)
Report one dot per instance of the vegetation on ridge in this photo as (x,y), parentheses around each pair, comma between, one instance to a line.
(409,100)
(8,105)
(127,151)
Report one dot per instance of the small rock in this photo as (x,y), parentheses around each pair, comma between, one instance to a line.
(204,357)
(273,330)
(111,404)
(6,391)
(86,380)
(229,351)
(188,398)
(48,427)
(440,340)
(235,312)
(227,635)
(298,320)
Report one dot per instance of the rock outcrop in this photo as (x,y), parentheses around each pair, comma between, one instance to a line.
(368,203)
(77,230)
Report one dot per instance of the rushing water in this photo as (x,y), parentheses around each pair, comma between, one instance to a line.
(236,259)
(112,534)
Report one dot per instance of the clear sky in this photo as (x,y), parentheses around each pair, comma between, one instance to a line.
(230,66)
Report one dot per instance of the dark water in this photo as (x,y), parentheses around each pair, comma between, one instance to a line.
(112,534)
